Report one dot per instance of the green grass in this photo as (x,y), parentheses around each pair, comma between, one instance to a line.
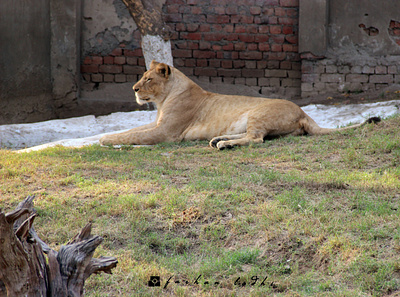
(309,216)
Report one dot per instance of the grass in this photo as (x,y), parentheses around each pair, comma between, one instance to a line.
(296,216)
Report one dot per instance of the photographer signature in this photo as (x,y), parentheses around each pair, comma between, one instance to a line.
(155,281)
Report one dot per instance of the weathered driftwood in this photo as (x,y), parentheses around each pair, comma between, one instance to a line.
(29,267)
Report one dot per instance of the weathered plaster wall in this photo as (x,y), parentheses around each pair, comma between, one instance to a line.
(351,46)
(106,26)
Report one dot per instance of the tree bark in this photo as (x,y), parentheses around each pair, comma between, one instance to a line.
(148,16)
(29,267)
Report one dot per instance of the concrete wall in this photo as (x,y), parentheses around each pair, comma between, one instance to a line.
(352,46)
(39,61)
(25,84)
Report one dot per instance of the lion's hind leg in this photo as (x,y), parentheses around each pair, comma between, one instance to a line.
(216,140)
(230,141)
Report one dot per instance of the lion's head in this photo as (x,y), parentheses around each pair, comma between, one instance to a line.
(151,87)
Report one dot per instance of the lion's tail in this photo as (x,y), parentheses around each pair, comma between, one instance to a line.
(312,128)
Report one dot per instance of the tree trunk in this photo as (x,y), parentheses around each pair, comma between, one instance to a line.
(147,15)
(29,267)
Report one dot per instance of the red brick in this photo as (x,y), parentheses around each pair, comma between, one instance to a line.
(202,63)
(289,3)
(205,28)
(216,28)
(180,53)
(279,11)
(190,62)
(273,20)
(280,39)
(252,47)
(271,2)
(219,10)
(120,78)
(128,69)
(287,30)
(263,29)
(255,10)
(275,29)
(279,56)
(250,55)
(293,39)
(214,36)
(290,48)
(173,18)
(131,60)
(192,27)
(228,28)
(276,47)
(230,72)
(228,47)
(174,8)
(253,72)
(180,27)
(286,65)
(264,47)
(97,60)
(119,60)
(89,68)
(110,69)
(204,45)
(226,64)
(133,53)
(218,19)
(87,60)
(116,52)
(252,29)
(192,45)
(240,46)
(203,54)
(240,29)
(216,47)
(231,10)
(214,63)
(246,38)
(193,36)
(97,78)
(175,2)
(141,62)
(288,21)
(232,37)
(196,10)
(261,38)
(108,60)
(238,64)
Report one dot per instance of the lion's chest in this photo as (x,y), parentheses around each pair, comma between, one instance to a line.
(217,126)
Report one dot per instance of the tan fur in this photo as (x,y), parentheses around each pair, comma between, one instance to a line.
(187,112)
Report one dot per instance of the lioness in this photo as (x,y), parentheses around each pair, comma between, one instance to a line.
(187,112)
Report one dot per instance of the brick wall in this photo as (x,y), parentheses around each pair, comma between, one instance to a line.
(247,42)
(332,76)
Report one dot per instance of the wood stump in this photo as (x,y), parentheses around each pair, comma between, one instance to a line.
(29,267)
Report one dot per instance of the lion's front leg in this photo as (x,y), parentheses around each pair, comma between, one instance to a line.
(150,136)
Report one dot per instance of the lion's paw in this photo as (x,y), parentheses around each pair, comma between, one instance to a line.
(224,145)
(214,142)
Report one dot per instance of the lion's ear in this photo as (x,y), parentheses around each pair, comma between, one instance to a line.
(163,70)
(153,64)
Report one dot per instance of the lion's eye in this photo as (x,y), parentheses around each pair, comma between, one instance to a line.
(149,79)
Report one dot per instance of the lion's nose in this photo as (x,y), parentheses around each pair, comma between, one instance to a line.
(136,89)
